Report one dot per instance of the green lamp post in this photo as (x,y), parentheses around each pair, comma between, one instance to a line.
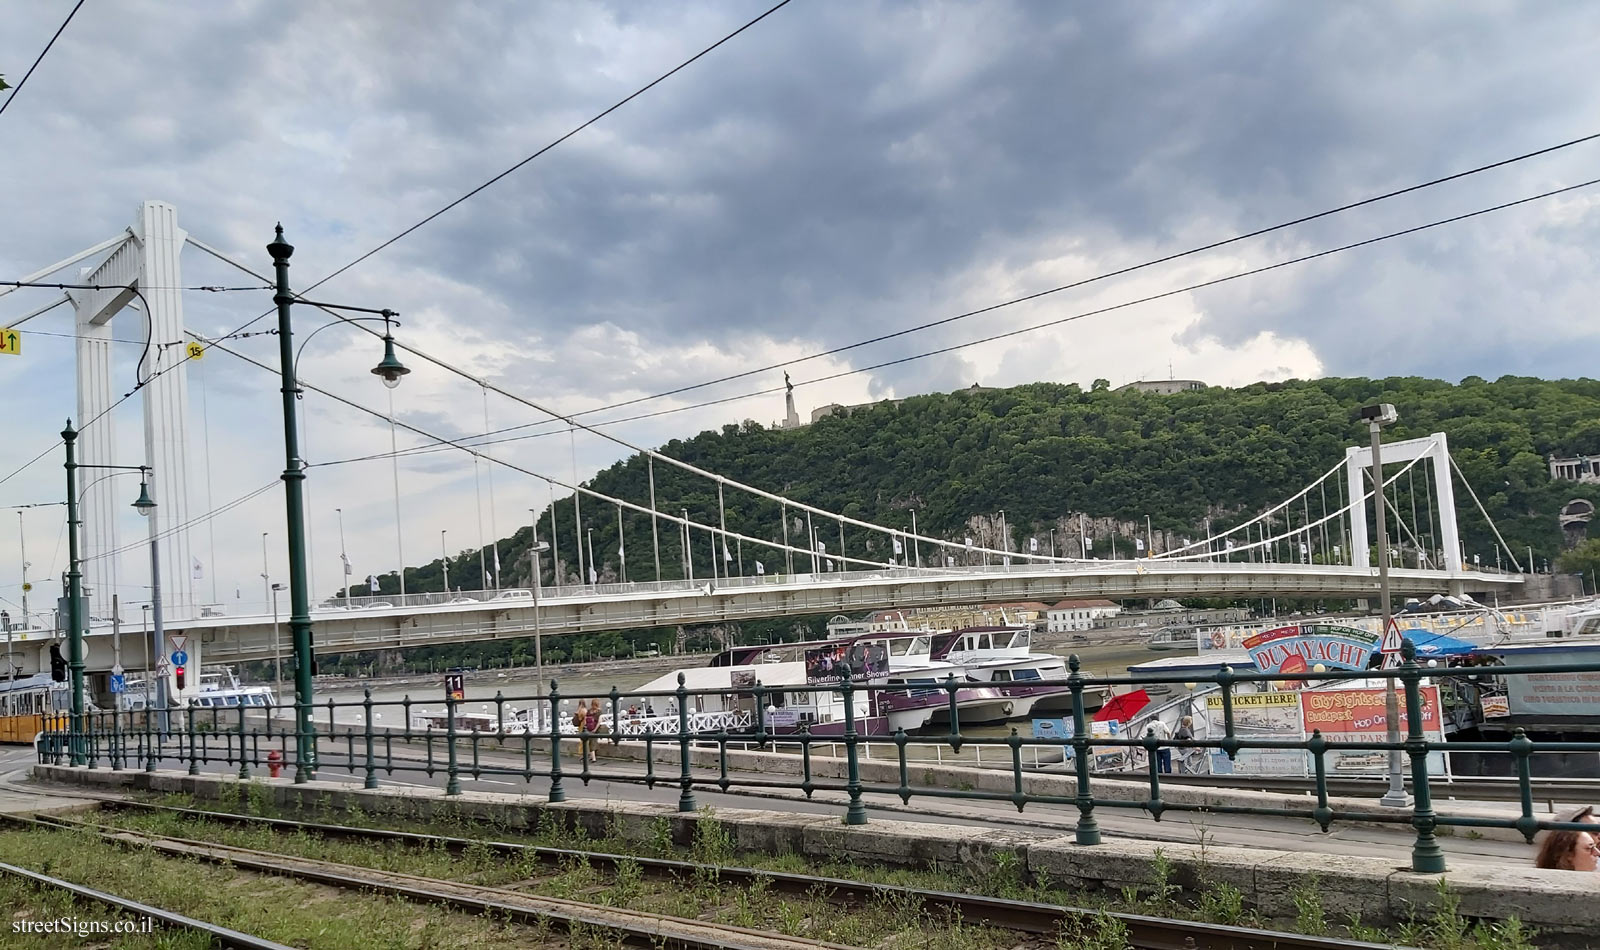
(390,370)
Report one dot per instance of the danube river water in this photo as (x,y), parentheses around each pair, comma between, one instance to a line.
(1110,657)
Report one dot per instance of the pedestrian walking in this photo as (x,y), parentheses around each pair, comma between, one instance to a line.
(1185,732)
(1163,755)
(591,726)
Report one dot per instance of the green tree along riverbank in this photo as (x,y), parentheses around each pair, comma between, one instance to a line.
(1044,453)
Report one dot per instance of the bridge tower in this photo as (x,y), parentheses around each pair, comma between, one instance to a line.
(146,261)
(1435,450)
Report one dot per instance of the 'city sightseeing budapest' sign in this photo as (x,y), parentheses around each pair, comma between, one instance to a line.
(1298,648)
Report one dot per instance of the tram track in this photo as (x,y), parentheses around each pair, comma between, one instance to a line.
(633,927)
(220,936)
(1036,920)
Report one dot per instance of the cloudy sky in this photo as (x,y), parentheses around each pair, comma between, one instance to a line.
(838,171)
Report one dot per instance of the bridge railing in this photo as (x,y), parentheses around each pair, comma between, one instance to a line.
(1020,564)
(752,736)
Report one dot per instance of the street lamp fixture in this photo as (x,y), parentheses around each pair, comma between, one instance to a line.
(390,370)
(144,505)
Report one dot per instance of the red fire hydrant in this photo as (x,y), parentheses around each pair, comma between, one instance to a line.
(274,762)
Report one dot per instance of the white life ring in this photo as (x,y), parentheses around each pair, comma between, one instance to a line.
(1218,639)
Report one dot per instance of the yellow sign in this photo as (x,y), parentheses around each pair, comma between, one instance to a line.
(10,342)
(195,350)
(1255,699)
(26,588)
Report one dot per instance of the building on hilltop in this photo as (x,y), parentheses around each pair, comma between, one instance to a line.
(1164,387)
(1580,469)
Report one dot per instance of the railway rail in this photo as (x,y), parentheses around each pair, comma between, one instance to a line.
(1026,917)
(220,936)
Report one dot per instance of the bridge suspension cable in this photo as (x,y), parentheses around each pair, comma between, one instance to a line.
(571,418)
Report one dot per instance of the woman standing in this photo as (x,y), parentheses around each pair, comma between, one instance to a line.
(591,726)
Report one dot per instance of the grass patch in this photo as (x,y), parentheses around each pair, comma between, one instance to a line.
(290,912)
(888,923)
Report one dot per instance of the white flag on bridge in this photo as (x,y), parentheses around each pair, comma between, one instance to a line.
(1033,545)
(346,559)
(949,561)
(199,570)
(898,549)
(726,556)
(969,542)
(372,583)
(760,568)
(1138,544)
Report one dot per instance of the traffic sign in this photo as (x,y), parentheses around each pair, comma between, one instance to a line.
(178,641)
(10,342)
(194,350)
(179,658)
(26,588)
(118,684)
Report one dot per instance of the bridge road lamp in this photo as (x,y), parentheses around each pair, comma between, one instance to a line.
(538,635)
(1377,416)
(390,370)
(277,654)
(75,614)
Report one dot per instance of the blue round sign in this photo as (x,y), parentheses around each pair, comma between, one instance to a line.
(179,658)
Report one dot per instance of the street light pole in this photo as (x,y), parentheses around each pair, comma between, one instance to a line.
(1377,417)
(69,436)
(266,580)
(277,650)
(444,560)
(294,477)
(390,370)
(538,634)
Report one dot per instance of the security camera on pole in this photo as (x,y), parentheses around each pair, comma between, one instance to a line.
(1376,417)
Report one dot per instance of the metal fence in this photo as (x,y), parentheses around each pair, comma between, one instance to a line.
(354,737)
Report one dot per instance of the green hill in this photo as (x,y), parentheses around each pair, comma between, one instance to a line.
(1043,453)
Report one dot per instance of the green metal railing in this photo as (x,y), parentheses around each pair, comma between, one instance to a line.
(538,741)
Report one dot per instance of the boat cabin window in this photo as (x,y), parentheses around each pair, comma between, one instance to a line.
(1026,675)
(1001,676)
(1021,638)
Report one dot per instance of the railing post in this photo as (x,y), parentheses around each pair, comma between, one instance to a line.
(557,793)
(244,764)
(372,770)
(452,785)
(149,740)
(1088,831)
(1426,855)
(856,812)
(1152,755)
(955,717)
(686,801)
(1230,742)
(1322,814)
(119,748)
(1521,747)
(304,757)
(194,759)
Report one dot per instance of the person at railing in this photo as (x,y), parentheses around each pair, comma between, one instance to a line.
(591,728)
(1569,850)
(1162,732)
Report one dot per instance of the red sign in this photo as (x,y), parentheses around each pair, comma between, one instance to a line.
(1352,714)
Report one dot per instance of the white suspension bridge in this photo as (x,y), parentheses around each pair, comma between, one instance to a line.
(1307,545)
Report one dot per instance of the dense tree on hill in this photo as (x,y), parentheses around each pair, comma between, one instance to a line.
(1044,452)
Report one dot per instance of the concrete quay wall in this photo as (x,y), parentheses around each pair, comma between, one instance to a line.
(1559,903)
